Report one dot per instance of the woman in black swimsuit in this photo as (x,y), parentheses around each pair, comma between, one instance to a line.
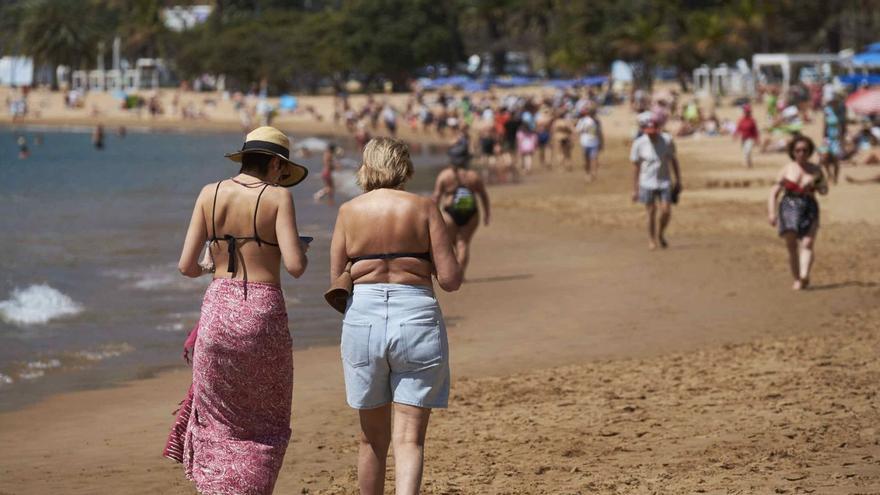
(394,349)
(796,215)
(456,191)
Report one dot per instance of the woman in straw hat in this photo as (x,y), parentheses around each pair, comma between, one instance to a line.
(232,430)
(394,350)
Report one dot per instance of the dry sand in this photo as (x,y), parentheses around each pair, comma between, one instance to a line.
(582,362)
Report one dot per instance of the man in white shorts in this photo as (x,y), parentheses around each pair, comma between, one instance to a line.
(653,154)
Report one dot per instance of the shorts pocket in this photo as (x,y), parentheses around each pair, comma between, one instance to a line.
(356,343)
(422,342)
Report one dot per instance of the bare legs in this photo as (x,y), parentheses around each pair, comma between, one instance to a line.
(832,166)
(800,257)
(591,165)
(373,449)
(658,235)
(462,237)
(410,429)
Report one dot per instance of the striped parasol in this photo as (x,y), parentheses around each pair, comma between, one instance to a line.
(865,101)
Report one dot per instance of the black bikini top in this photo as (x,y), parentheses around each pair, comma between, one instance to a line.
(231,239)
(390,256)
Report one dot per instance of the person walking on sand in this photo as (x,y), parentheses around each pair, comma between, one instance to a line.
(562,132)
(797,214)
(233,428)
(395,355)
(329,165)
(526,144)
(590,130)
(456,191)
(833,135)
(747,130)
(653,154)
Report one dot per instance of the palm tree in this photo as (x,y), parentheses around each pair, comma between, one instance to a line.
(57,32)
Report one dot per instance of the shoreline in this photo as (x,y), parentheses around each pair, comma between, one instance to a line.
(566,308)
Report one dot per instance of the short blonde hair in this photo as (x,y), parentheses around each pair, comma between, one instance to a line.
(386,164)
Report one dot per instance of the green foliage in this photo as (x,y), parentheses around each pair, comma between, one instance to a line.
(301,44)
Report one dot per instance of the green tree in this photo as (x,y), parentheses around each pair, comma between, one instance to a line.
(58,32)
(391,38)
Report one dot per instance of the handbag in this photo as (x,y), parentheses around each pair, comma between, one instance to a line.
(340,290)
(207,262)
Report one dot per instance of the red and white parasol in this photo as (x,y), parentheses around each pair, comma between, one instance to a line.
(864,101)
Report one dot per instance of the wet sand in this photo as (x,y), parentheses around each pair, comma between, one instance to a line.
(582,362)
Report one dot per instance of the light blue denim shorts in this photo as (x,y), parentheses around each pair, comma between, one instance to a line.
(394,347)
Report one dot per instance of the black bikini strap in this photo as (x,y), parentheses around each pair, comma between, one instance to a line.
(213,211)
(391,256)
(231,250)
(256,209)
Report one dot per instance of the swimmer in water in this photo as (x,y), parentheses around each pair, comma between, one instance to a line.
(98,137)
(23,151)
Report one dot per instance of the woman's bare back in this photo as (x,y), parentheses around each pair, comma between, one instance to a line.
(387,221)
(234,215)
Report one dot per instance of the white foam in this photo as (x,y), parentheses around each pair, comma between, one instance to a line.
(31,375)
(153,281)
(5,379)
(170,327)
(105,352)
(155,278)
(313,145)
(44,365)
(37,304)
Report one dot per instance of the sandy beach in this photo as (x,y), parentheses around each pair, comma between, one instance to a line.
(582,362)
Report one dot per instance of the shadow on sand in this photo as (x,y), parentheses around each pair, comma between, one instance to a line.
(841,285)
(501,278)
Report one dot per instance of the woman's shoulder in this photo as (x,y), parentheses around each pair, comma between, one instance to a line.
(402,200)
(208,191)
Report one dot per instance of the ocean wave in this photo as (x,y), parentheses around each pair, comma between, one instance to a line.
(61,362)
(171,327)
(156,278)
(37,304)
(106,351)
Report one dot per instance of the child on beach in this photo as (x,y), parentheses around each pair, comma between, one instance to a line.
(526,143)
(329,165)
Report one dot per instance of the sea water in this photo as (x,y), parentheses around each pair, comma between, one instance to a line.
(89,242)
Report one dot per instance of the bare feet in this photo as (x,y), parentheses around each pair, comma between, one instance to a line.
(805,283)
(797,285)
(652,246)
(663,243)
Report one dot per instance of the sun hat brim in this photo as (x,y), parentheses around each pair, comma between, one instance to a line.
(294,172)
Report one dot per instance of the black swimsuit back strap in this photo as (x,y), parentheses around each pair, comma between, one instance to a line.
(390,256)
(213,212)
(256,209)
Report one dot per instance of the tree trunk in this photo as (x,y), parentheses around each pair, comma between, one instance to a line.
(499,52)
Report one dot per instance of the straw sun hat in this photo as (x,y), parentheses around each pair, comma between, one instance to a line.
(270,141)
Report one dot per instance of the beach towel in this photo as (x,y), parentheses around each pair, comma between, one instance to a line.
(232,429)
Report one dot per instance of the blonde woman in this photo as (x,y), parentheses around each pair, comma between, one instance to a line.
(394,350)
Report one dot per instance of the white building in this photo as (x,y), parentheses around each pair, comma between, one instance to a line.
(181,18)
(16,71)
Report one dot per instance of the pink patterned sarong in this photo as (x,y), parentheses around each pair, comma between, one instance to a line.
(232,429)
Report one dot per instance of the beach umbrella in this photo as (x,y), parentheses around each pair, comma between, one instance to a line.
(288,102)
(861,79)
(594,80)
(867,59)
(865,102)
